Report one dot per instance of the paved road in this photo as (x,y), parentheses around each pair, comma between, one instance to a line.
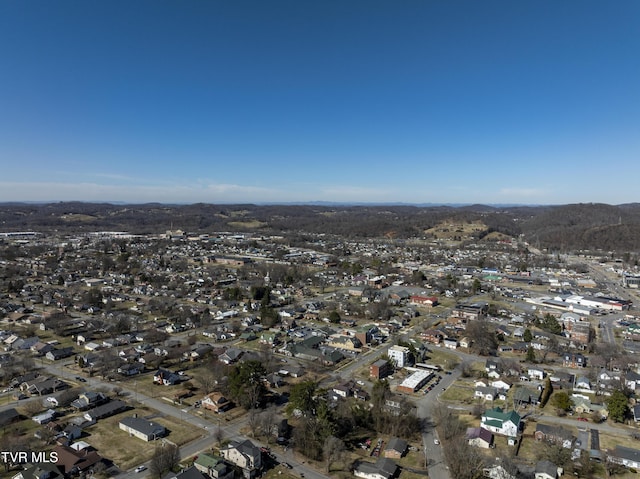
(437,466)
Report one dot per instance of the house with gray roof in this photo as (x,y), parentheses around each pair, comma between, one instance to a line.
(626,456)
(479,437)
(142,428)
(547,470)
(384,468)
(106,410)
(396,448)
(245,455)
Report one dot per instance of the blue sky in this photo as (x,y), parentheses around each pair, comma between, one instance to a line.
(534,102)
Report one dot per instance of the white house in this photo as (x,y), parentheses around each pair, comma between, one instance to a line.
(486,393)
(244,455)
(499,422)
(536,373)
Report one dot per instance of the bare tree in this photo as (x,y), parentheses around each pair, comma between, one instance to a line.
(332,451)
(267,421)
(485,342)
(165,457)
(206,380)
(218,434)
(465,461)
(253,421)
(33,407)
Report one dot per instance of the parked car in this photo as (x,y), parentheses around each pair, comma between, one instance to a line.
(141,468)
(81,379)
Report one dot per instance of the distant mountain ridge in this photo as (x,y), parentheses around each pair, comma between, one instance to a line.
(562,227)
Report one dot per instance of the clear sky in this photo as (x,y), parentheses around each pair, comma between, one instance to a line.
(430,101)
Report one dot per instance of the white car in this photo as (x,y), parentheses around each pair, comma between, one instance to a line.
(141,468)
(436,442)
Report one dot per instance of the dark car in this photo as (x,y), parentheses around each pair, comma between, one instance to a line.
(287,465)
(81,379)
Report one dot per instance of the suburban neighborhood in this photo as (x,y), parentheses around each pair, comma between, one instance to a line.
(241,355)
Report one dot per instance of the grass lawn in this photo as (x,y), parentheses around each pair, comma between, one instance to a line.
(458,393)
(443,358)
(128,451)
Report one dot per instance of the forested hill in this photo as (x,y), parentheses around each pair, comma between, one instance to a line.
(564,227)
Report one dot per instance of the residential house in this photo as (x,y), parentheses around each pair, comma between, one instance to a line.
(43,385)
(524,395)
(554,434)
(343,390)
(493,368)
(245,455)
(200,351)
(499,422)
(450,343)
(626,456)
(189,473)
(573,360)
(396,448)
(349,343)
(88,400)
(8,416)
(39,471)
(216,402)
(497,471)
(632,380)
(487,393)
(142,428)
(535,373)
(106,410)
(479,437)
(72,462)
(230,356)
(166,377)
(213,466)
(547,470)
(270,337)
(424,300)
(57,354)
(500,385)
(131,369)
(40,348)
(583,384)
(384,468)
(45,417)
(582,405)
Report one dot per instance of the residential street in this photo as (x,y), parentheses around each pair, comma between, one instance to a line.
(231,429)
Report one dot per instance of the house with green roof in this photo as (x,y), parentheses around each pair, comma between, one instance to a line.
(500,422)
(213,466)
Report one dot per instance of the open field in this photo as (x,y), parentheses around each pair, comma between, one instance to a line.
(442,358)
